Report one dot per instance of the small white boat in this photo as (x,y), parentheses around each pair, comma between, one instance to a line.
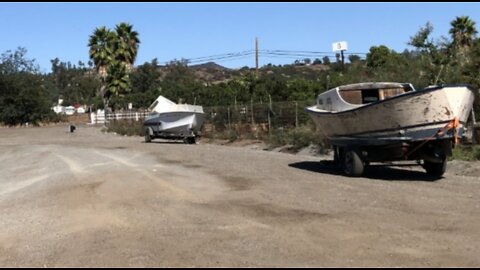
(393,121)
(169,120)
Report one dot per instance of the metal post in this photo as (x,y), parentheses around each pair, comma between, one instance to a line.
(256,57)
(296,114)
(228,109)
(269,110)
(251,110)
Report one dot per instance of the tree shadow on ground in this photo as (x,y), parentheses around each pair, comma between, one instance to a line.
(375,172)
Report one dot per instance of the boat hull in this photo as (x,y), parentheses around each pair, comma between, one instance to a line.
(414,116)
(175,124)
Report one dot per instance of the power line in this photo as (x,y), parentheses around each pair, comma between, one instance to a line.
(304,52)
(286,54)
(221,55)
(214,57)
(206,59)
(223,60)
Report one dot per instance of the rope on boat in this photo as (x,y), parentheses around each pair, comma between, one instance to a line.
(452,125)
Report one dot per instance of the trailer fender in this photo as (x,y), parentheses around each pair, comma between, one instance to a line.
(149,131)
(148,134)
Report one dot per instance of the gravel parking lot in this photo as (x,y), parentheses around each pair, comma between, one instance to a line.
(89,199)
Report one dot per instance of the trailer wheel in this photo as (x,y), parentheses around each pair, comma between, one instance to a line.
(352,164)
(189,140)
(148,138)
(435,169)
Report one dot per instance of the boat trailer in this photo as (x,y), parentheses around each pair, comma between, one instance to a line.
(353,154)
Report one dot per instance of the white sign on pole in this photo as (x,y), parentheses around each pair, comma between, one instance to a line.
(339,46)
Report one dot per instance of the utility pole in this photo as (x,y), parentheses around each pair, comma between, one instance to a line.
(343,58)
(340,46)
(256,56)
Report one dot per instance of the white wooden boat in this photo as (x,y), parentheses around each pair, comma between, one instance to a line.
(365,116)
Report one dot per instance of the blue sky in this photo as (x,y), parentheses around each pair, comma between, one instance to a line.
(189,30)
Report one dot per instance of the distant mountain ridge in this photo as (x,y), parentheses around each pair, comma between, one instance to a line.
(209,65)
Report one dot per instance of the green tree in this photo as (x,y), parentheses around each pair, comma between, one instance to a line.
(180,83)
(463,32)
(433,57)
(353,58)
(384,64)
(420,40)
(326,60)
(117,80)
(16,62)
(378,57)
(101,49)
(146,77)
(23,97)
(73,83)
(109,50)
(102,53)
(127,43)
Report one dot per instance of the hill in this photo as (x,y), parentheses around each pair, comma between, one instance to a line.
(208,66)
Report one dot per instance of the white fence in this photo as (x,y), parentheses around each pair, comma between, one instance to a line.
(99,116)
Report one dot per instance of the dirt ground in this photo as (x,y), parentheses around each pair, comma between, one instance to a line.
(88,199)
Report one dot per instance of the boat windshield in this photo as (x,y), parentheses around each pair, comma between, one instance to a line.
(154,104)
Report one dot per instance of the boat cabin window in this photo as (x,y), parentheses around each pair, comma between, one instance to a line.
(391,92)
(352,96)
(365,96)
(153,105)
(370,95)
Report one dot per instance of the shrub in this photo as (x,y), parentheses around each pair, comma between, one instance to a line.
(466,152)
(126,127)
(298,138)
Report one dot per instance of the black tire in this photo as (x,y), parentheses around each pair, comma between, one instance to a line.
(435,169)
(148,138)
(190,140)
(352,164)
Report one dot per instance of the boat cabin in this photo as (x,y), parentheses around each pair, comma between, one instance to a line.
(356,95)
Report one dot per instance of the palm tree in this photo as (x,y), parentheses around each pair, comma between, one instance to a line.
(463,32)
(126,47)
(101,49)
(101,52)
(118,81)
(113,53)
